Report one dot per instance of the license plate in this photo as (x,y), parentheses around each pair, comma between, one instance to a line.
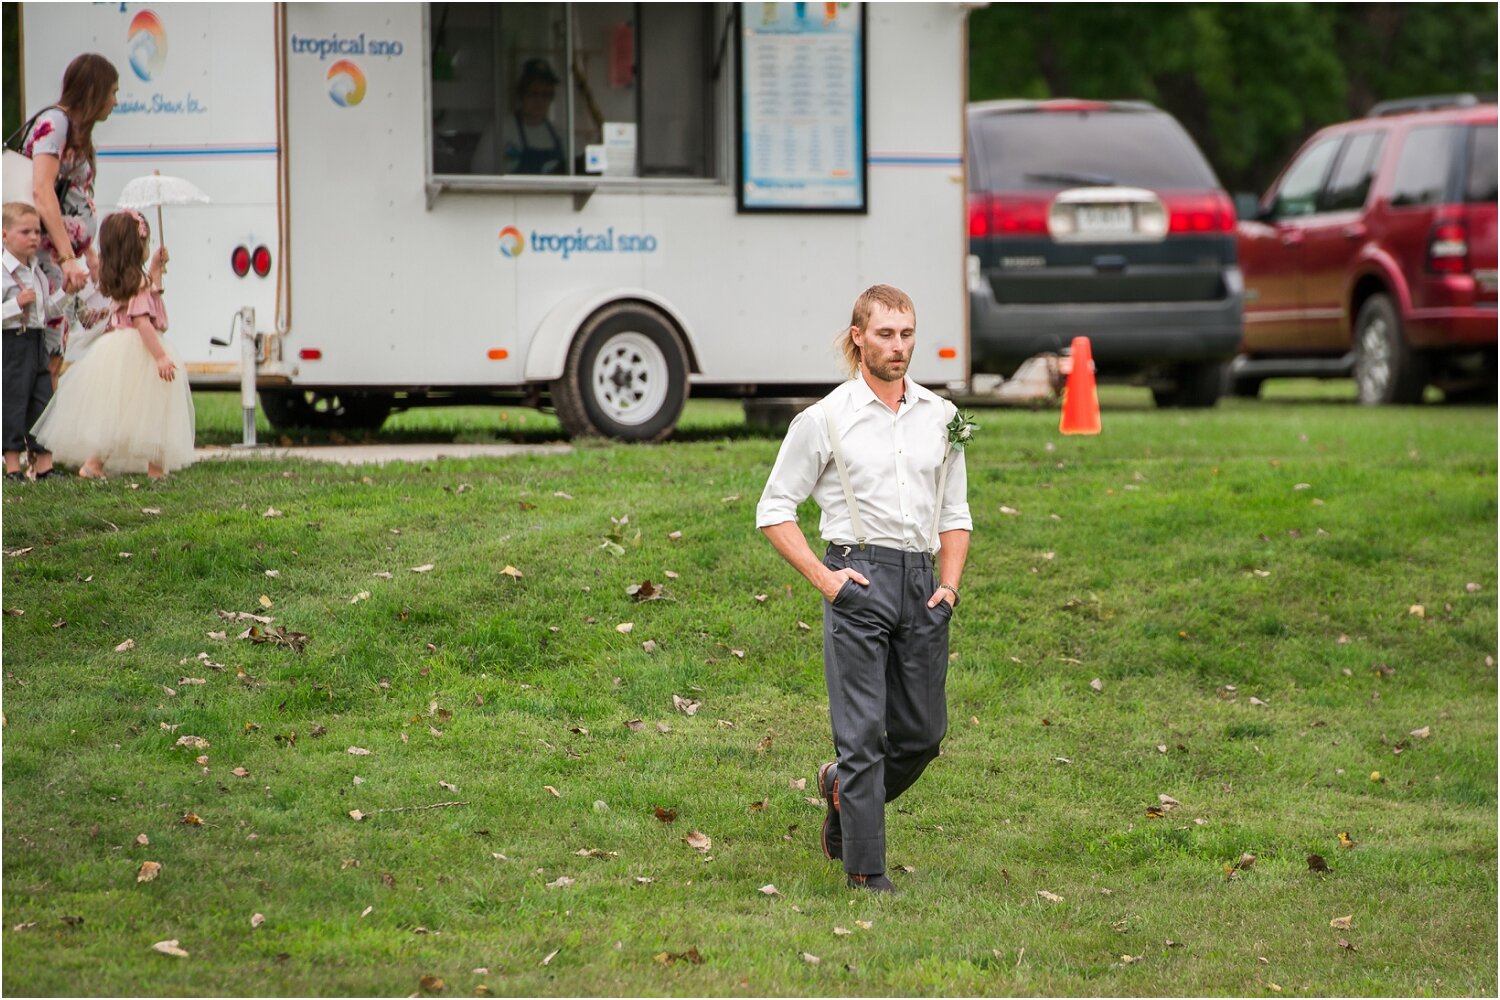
(1104,220)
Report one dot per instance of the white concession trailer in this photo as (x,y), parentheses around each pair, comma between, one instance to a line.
(595,207)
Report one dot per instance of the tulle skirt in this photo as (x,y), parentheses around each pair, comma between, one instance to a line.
(113,406)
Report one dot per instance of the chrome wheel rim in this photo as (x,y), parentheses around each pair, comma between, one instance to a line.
(630,378)
(1374,366)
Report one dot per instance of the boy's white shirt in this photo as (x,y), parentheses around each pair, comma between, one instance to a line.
(50,301)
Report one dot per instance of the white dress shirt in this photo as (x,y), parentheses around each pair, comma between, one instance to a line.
(18,277)
(893,460)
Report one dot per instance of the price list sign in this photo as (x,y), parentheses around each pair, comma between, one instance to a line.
(802,97)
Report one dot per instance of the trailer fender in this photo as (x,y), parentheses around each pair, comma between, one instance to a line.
(547,354)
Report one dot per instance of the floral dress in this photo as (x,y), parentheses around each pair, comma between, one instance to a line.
(49,136)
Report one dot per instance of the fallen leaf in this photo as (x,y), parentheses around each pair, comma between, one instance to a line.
(271,512)
(552,954)
(1096,684)
(866,924)
(686,706)
(1344,943)
(195,742)
(125,646)
(273,573)
(764,744)
(256,919)
(169,948)
(1050,897)
(363,595)
(635,725)
(446,785)
(1422,733)
(142,840)
(356,815)
(562,882)
(1345,840)
(424,568)
(810,959)
(265,601)
(1155,812)
(366,912)
(624,628)
(1341,923)
(769,890)
(149,869)
(1167,802)
(842,931)
(191,819)
(553,791)
(28,925)
(797,784)
(663,728)
(512,572)
(1129,959)
(1377,777)
(1256,701)
(665,815)
(359,751)
(432,984)
(649,645)
(201,761)
(1246,862)
(1316,863)
(1417,611)
(699,841)
(760,806)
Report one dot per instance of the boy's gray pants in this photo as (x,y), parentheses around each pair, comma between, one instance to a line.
(885,659)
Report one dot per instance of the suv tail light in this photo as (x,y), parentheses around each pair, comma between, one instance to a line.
(1200,213)
(1448,247)
(1014,215)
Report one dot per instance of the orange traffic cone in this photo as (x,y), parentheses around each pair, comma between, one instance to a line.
(1080,411)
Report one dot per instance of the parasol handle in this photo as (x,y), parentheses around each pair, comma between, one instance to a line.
(161,233)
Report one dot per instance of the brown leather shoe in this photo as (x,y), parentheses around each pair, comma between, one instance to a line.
(876,883)
(833,830)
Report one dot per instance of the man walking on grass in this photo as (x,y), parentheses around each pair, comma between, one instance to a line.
(878,456)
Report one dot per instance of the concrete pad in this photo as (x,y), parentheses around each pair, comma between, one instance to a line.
(380,454)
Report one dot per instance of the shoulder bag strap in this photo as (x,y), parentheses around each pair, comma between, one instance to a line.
(838,461)
(942,483)
(25,129)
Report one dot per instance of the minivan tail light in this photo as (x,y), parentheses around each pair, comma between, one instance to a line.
(1200,213)
(1014,215)
(1448,248)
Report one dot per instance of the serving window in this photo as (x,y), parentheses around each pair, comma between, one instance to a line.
(575,90)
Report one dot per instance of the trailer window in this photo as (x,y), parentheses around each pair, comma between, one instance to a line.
(613,89)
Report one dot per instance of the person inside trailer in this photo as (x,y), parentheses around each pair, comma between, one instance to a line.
(532,144)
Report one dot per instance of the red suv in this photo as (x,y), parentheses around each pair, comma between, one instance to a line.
(1373,254)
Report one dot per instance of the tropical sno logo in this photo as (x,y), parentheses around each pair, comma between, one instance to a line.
(511,241)
(147,41)
(346,83)
(565,245)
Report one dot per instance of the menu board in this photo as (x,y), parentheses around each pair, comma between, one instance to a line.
(802,107)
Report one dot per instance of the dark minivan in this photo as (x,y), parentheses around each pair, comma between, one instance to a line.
(1101,219)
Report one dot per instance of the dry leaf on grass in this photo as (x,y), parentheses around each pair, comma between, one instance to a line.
(1422,733)
(769,889)
(169,948)
(624,628)
(699,841)
(562,882)
(665,815)
(553,953)
(359,751)
(449,787)
(687,706)
(810,959)
(142,840)
(125,646)
(1341,923)
(149,869)
(1096,684)
(424,568)
(195,742)
(1050,897)
(191,819)
(256,919)
(553,791)
(635,725)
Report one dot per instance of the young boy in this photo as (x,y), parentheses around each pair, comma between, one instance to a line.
(27,377)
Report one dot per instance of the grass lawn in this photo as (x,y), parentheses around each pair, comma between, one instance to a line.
(1272,597)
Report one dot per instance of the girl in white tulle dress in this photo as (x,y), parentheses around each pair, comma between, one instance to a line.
(122,407)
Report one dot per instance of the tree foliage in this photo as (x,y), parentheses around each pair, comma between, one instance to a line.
(1249,81)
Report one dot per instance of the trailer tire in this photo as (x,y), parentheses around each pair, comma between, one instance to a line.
(626,376)
(325,409)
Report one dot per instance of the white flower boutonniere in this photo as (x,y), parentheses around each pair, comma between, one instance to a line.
(961,429)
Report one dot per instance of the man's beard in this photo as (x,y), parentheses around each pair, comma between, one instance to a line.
(887,371)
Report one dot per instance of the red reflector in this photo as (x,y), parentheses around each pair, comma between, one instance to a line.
(261,261)
(1200,213)
(498,354)
(947,353)
(310,354)
(240,261)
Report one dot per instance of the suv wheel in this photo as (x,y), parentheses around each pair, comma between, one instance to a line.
(1386,369)
(1198,386)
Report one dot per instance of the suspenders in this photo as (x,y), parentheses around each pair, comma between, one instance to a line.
(836,443)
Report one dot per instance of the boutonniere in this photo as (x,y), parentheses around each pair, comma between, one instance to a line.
(961,429)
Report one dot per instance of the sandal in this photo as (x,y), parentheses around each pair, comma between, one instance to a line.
(15,477)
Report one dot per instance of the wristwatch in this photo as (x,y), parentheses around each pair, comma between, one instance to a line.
(950,589)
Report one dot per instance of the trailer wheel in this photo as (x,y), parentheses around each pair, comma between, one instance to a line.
(325,409)
(626,376)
